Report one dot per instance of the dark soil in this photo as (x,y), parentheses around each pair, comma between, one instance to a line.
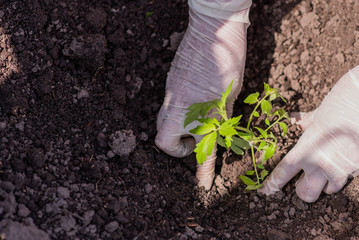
(80,85)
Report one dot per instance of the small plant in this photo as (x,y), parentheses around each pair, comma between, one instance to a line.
(148,14)
(227,132)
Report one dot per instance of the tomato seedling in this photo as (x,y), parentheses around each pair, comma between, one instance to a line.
(229,134)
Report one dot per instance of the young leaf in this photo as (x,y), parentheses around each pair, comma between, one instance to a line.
(203,129)
(266,107)
(234,121)
(263,133)
(198,109)
(245,135)
(247,180)
(271,135)
(267,88)
(224,97)
(208,121)
(284,128)
(220,141)
(240,143)
(256,114)
(205,147)
(260,166)
(269,152)
(250,173)
(237,150)
(192,114)
(206,108)
(273,96)
(283,113)
(254,187)
(251,99)
(261,145)
(267,122)
(228,141)
(227,130)
(264,173)
(148,14)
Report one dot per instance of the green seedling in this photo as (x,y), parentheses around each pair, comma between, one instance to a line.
(148,14)
(228,133)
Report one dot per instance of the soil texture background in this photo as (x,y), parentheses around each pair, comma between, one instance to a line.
(81,83)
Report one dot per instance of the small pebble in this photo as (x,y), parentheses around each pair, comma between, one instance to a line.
(20,126)
(2,125)
(67,223)
(111,154)
(272,216)
(122,219)
(292,211)
(83,94)
(111,227)
(148,188)
(23,211)
(63,192)
(199,229)
(144,137)
(189,232)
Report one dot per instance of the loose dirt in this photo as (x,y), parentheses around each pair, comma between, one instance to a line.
(81,83)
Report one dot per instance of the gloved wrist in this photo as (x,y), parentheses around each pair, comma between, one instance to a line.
(235,10)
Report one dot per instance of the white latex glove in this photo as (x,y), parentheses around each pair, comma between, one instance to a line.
(328,150)
(211,55)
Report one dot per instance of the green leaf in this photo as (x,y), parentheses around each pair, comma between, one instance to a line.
(263,174)
(260,166)
(220,141)
(227,130)
(267,121)
(266,107)
(284,128)
(263,133)
(261,145)
(283,113)
(148,14)
(205,147)
(203,129)
(247,180)
(240,143)
(208,121)
(246,136)
(271,135)
(224,97)
(269,152)
(198,109)
(237,150)
(228,141)
(254,187)
(250,173)
(273,96)
(234,121)
(267,88)
(256,114)
(251,99)
(227,91)
(192,114)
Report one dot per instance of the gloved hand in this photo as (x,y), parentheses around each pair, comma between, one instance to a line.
(211,55)
(328,150)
